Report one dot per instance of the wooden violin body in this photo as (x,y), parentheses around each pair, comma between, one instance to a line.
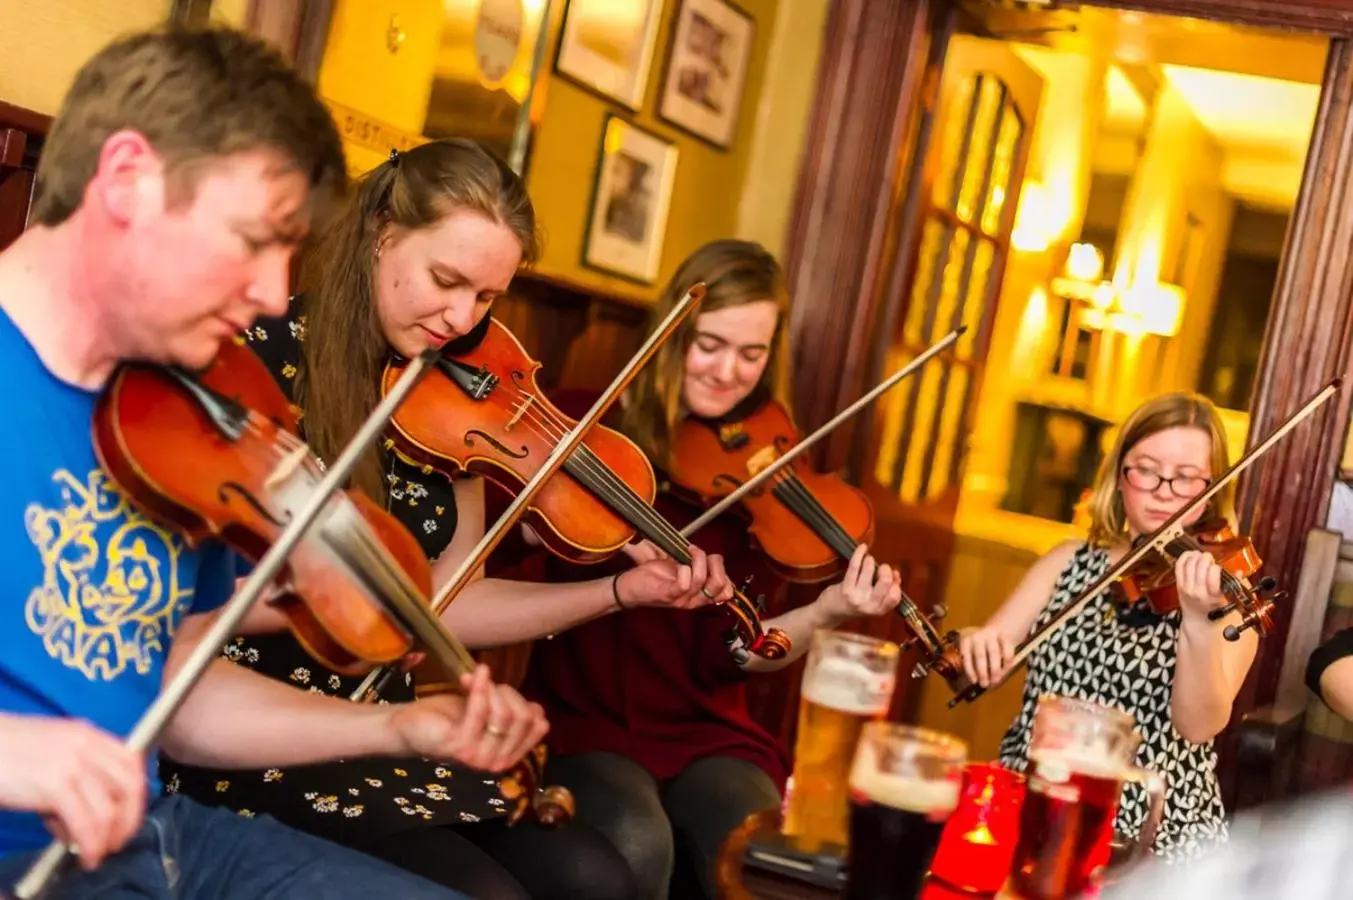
(484,413)
(807,523)
(222,460)
(1151,581)
(217,455)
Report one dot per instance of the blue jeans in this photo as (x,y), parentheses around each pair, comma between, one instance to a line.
(185,851)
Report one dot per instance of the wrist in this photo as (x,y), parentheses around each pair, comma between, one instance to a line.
(391,739)
(618,601)
(825,616)
(1195,623)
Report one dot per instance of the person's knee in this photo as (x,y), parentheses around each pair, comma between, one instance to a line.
(644,838)
(620,799)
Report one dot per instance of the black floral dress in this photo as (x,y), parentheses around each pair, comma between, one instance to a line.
(355,801)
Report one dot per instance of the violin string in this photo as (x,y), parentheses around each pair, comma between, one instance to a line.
(1231,585)
(409,608)
(796,495)
(801,501)
(606,483)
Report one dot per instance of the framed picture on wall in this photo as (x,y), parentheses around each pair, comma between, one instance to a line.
(607,47)
(707,69)
(630,202)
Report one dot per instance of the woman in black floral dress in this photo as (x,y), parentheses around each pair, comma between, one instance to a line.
(427,241)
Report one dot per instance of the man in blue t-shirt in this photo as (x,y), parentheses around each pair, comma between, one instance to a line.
(173,190)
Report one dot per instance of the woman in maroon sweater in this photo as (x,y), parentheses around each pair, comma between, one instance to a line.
(648,712)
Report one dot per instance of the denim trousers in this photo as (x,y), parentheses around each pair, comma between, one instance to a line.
(186,851)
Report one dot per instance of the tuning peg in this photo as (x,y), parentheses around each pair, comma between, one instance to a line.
(746,585)
(938,612)
(1267,583)
(760,604)
(735,649)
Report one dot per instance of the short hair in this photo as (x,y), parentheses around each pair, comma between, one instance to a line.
(195,94)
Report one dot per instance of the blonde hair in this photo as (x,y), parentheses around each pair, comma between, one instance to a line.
(1108,520)
(736,273)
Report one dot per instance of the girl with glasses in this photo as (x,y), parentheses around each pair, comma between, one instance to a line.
(1175,673)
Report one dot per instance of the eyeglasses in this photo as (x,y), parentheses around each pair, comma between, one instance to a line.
(1185,487)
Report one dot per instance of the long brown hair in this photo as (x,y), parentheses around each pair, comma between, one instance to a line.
(736,273)
(345,350)
(1108,519)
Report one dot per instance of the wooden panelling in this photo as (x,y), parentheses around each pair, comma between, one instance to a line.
(21,134)
(873,68)
(581,339)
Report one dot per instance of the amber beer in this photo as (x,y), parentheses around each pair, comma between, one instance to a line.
(904,785)
(1080,756)
(848,681)
(1066,826)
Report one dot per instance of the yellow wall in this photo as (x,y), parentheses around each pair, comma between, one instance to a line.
(782,123)
(358,72)
(708,181)
(46,42)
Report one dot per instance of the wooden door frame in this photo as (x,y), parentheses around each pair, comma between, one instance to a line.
(863,144)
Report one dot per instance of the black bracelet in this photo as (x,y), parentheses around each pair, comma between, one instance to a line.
(615,591)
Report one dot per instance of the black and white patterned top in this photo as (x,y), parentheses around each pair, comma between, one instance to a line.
(1097,656)
(360,800)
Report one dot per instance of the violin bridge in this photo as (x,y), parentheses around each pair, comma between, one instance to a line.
(288,466)
(526,402)
(761,459)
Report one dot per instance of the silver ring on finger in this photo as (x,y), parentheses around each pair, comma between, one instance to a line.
(706,592)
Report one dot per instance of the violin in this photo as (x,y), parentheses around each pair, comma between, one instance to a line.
(807,523)
(482,412)
(217,455)
(1151,584)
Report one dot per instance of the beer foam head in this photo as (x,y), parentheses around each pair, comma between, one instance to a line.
(1058,764)
(908,793)
(849,686)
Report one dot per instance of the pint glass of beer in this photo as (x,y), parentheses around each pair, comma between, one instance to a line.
(848,680)
(904,784)
(1080,756)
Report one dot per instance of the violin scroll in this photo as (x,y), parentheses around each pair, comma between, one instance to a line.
(522,787)
(748,636)
(1256,610)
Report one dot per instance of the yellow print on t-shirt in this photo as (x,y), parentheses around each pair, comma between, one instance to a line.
(110,595)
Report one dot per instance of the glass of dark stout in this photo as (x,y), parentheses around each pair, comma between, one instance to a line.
(1080,757)
(904,784)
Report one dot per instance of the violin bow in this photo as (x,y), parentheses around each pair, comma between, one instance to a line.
(378,677)
(802,446)
(147,730)
(1157,541)
(922,629)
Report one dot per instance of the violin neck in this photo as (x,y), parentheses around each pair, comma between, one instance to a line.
(593,474)
(372,565)
(796,496)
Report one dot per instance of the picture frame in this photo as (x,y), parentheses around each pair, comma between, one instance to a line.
(631,199)
(707,63)
(606,53)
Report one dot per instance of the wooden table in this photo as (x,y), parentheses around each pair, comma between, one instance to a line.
(735,881)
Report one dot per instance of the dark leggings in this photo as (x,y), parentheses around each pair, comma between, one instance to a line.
(490,861)
(671,832)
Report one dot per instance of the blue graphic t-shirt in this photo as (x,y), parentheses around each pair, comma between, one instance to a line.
(91,591)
